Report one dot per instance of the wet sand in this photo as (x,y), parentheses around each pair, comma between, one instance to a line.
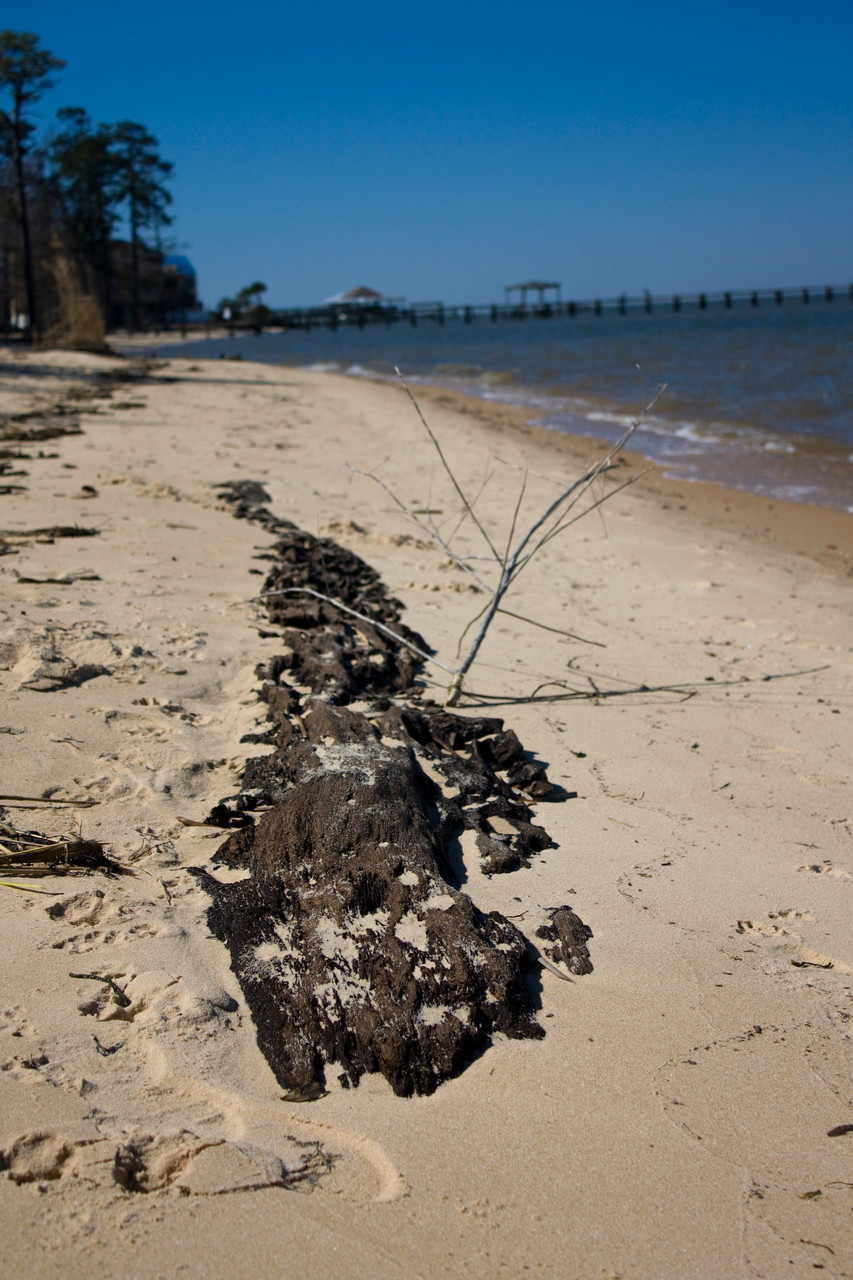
(675,1120)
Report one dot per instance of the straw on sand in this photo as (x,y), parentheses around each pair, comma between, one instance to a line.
(31,854)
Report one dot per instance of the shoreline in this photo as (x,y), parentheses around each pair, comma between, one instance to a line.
(797,527)
(787,463)
(705,839)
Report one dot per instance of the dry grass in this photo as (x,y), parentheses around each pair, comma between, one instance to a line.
(31,854)
(77,319)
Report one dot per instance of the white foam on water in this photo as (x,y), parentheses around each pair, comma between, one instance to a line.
(778,446)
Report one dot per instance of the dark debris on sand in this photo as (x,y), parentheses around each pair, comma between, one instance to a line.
(350,937)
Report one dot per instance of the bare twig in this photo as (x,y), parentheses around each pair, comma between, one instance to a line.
(558,631)
(121,998)
(686,690)
(27,853)
(466,504)
(430,529)
(558,516)
(26,888)
(78,804)
(363,617)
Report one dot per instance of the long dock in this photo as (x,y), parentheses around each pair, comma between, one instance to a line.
(333,316)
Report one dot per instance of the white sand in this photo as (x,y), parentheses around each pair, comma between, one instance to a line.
(676,1114)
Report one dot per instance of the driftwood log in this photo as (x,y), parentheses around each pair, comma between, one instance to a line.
(350,937)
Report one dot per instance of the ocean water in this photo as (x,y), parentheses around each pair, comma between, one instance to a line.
(753,398)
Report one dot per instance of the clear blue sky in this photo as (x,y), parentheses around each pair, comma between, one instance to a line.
(444,150)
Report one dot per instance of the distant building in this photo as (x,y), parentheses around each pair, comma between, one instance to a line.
(180,286)
(178,269)
(167,286)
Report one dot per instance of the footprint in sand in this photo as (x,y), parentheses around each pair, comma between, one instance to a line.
(788,945)
(100,920)
(146,1163)
(728,1097)
(827,868)
(118,784)
(632,884)
(15,1021)
(169,1011)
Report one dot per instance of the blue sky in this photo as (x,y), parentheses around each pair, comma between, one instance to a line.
(445,150)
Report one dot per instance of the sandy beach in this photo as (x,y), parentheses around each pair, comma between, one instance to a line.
(689,1110)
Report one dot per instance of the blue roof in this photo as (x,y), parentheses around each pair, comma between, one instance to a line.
(182,264)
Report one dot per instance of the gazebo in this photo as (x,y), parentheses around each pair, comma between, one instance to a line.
(360,296)
(541,286)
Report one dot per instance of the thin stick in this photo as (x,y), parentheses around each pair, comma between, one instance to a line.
(515,518)
(464,515)
(446,466)
(557,630)
(542,959)
(80,804)
(121,998)
(559,515)
(430,529)
(23,888)
(568,523)
(380,626)
(468,627)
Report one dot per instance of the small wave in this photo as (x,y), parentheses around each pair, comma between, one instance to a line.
(693,432)
(362,371)
(778,446)
(618,419)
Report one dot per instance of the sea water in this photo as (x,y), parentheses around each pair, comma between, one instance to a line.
(758,398)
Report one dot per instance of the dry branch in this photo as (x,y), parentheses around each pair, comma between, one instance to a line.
(559,515)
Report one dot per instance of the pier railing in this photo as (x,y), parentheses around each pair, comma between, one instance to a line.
(333,316)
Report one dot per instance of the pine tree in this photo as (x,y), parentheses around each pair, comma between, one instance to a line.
(25,73)
(139,185)
(83,175)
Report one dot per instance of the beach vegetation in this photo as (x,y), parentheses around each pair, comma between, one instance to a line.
(247,304)
(83,173)
(25,75)
(252,294)
(65,273)
(140,187)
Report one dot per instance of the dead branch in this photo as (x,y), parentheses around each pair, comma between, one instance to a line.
(558,516)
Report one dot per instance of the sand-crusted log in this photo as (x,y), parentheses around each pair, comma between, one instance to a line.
(349,943)
(350,937)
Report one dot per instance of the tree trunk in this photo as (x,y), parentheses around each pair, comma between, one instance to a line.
(134,265)
(18,158)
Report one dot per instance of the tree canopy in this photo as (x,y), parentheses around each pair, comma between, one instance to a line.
(70,193)
(25,73)
(84,172)
(140,177)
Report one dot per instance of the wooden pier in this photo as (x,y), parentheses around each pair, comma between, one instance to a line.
(334,316)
